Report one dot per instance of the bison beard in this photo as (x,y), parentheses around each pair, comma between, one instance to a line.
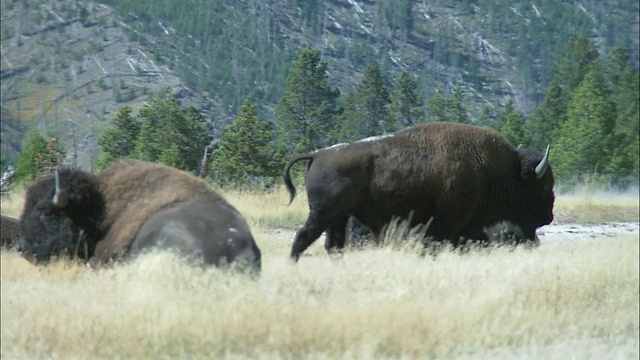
(131,207)
(465,177)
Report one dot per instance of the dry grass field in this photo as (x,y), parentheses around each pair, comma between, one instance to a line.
(570,298)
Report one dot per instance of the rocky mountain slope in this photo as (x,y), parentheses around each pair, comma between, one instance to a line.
(66,72)
(68,65)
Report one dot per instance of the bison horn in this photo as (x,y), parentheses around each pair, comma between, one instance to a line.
(542,166)
(60,198)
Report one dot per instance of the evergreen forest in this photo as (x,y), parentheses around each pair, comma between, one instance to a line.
(292,92)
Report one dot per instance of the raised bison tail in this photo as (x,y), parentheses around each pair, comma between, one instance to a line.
(287,178)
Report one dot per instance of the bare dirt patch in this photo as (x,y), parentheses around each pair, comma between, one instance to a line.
(547,234)
(580,232)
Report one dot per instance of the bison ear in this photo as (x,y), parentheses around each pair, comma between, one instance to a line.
(60,198)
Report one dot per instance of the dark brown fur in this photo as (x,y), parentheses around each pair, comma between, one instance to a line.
(463,176)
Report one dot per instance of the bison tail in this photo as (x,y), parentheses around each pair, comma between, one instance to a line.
(287,178)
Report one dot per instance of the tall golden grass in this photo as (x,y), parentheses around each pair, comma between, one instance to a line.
(573,298)
(269,209)
(586,208)
(383,302)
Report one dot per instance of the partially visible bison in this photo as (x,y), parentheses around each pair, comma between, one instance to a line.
(130,207)
(10,229)
(464,177)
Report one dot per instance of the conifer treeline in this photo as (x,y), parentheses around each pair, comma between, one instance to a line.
(590,116)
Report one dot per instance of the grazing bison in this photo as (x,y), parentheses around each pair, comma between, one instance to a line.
(130,207)
(10,229)
(464,177)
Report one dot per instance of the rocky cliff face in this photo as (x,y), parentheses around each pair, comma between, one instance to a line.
(67,72)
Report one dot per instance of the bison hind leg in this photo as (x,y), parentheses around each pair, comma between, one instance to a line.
(316,224)
(336,236)
(306,236)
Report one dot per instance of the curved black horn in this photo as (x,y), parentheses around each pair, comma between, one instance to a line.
(542,166)
(60,198)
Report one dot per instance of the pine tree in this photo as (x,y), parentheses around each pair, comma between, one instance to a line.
(406,104)
(513,128)
(39,157)
(349,124)
(447,108)
(118,141)
(583,144)
(366,110)
(171,155)
(487,118)
(579,56)
(373,94)
(245,154)
(545,120)
(171,134)
(624,80)
(306,112)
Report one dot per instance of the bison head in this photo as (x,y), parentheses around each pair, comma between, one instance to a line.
(536,190)
(60,211)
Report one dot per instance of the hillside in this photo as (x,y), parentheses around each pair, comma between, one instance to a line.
(492,50)
(68,65)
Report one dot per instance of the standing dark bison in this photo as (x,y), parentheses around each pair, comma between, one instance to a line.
(464,177)
(130,207)
(10,229)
